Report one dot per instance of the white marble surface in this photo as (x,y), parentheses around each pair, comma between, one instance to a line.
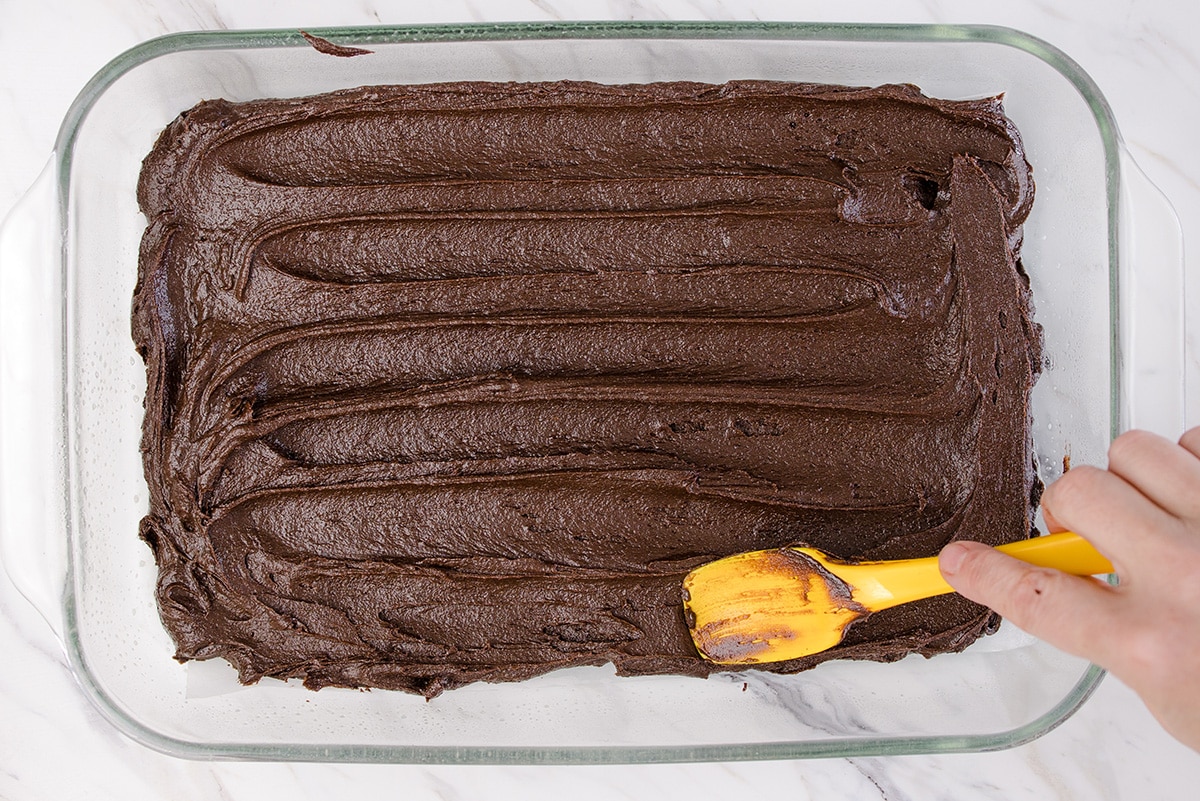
(54,746)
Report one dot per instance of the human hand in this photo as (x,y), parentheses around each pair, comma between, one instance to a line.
(1143,514)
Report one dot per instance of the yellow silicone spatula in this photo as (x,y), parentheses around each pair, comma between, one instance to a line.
(785,603)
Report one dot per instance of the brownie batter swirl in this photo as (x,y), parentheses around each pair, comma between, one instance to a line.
(455,382)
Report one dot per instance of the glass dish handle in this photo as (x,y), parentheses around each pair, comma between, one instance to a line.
(1153,312)
(32,457)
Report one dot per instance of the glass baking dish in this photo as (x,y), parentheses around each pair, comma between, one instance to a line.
(1102,248)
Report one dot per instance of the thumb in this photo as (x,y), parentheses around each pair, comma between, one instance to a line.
(1076,614)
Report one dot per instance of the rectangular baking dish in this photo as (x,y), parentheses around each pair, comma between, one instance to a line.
(1102,249)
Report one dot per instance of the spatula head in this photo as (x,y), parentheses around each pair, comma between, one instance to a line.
(767,606)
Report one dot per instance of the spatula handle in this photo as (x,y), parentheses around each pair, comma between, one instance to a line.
(1065,551)
(880,585)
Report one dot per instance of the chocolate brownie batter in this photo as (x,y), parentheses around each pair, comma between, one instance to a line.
(455,382)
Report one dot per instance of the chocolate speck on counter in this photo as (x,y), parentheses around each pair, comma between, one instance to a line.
(330,49)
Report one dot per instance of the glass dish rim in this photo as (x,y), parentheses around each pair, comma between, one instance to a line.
(517,31)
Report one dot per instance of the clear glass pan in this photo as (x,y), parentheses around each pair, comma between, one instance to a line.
(1110,303)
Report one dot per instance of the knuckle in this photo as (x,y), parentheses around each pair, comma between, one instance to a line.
(1147,650)
(1077,488)
(1191,440)
(1177,565)
(1028,596)
(1131,446)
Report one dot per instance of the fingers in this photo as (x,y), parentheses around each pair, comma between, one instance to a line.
(1076,614)
(1120,521)
(1190,441)
(1052,524)
(1166,472)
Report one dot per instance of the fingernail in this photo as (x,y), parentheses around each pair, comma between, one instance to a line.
(951,558)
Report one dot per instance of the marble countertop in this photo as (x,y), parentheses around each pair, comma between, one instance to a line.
(53,745)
